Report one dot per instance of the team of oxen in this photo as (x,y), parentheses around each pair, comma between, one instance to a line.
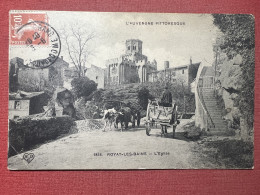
(112,118)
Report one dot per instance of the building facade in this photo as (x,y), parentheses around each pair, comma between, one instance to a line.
(96,74)
(26,78)
(14,66)
(131,67)
(24,104)
(183,75)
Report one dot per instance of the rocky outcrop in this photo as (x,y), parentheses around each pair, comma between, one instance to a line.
(228,86)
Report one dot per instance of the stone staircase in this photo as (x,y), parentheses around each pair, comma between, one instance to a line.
(214,111)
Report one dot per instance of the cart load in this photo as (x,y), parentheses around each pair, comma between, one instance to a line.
(164,116)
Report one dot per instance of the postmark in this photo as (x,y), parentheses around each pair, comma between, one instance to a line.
(43,42)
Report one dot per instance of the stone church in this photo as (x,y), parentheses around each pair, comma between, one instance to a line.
(131,67)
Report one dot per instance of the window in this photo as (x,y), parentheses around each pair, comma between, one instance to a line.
(182,71)
(129,47)
(96,77)
(17,105)
(134,47)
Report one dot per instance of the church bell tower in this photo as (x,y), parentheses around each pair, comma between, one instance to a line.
(133,46)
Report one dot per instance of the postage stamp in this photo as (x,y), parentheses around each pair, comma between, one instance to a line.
(17,20)
(32,32)
(94,90)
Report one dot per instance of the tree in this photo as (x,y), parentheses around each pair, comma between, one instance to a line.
(83,86)
(109,95)
(178,91)
(98,95)
(33,80)
(143,96)
(77,42)
(238,30)
(239,38)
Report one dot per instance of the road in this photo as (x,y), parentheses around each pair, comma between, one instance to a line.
(114,150)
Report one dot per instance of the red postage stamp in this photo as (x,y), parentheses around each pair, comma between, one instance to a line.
(23,28)
(31,34)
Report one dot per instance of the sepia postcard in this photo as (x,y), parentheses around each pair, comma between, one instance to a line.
(114,90)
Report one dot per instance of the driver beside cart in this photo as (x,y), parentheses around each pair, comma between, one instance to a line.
(166,99)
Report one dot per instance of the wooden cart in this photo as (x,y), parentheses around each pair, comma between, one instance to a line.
(164,116)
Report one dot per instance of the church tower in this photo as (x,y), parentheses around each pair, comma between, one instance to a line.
(133,46)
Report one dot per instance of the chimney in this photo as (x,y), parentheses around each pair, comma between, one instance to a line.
(166,64)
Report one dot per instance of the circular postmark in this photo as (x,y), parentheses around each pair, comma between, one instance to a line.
(42,42)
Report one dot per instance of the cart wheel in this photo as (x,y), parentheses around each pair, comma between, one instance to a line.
(148,129)
(173,131)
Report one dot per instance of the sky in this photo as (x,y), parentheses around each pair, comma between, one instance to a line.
(173,43)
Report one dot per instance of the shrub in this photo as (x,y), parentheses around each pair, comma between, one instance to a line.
(83,86)
(27,132)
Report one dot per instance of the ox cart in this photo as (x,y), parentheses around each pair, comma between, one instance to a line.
(164,116)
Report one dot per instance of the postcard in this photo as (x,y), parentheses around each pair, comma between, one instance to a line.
(114,90)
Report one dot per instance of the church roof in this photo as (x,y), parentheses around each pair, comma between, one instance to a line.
(134,40)
(178,67)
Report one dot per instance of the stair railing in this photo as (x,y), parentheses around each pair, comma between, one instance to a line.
(207,120)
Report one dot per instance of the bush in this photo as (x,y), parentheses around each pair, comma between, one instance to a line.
(191,131)
(83,86)
(27,132)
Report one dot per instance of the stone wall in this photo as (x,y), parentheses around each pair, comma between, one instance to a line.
(96,74)
(26,133)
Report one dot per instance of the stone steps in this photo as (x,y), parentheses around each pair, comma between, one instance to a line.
(214,111)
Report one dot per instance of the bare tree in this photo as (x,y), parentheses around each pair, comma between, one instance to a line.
(77,42)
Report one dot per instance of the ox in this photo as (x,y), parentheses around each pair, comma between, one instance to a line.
(119,119)
(123,117)
(109,118)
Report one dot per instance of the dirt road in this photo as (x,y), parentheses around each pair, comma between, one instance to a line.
(131,149)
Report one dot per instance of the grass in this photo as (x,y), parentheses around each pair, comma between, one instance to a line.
(233,153)
(225,151)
